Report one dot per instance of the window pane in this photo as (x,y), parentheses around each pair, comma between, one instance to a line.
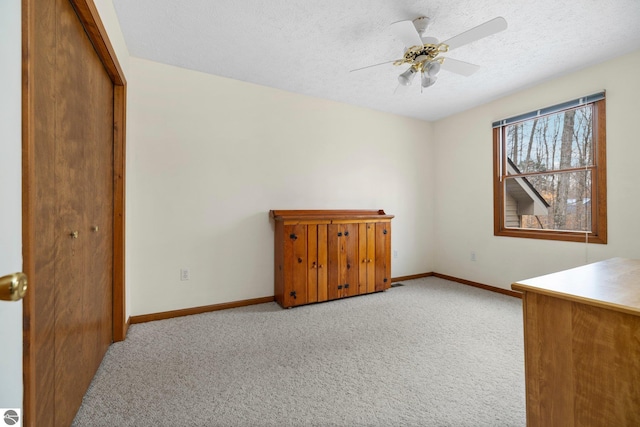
(553,142)
(557,201)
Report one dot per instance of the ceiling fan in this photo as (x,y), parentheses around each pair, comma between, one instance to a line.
(422,53)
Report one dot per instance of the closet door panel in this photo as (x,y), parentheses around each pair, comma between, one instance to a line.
(72,369)
(45,226)
(99,228)
(84,193)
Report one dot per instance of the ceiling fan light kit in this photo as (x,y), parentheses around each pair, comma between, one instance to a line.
(422,53)
(428,80)
(406,77)
(433,68)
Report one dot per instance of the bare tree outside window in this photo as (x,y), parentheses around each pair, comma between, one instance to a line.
(550,176)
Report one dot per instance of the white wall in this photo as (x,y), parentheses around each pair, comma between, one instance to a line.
(10,200)
(464,187)
(209,157)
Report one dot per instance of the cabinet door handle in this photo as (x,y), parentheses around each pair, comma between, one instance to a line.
(293,294)
(346,233)
(293,236)
(346,286)
(339,286)
(313,265)
(384,231)
(299,260)
(319,265)
(340,234)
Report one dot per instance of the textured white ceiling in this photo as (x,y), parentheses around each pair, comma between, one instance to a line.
(309,47)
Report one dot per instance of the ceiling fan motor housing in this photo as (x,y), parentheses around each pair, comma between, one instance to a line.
(421,23)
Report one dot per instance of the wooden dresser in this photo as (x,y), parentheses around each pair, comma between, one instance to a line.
(582,345)
(322,255)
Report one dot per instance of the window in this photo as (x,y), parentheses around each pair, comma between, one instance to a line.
(550,173)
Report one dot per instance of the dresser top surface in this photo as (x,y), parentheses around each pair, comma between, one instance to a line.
(612,284)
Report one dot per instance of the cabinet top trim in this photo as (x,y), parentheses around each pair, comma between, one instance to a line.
(305,215)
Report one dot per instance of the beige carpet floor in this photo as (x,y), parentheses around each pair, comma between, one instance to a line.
(429,353)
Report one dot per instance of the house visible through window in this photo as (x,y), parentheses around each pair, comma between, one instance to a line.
(550,173)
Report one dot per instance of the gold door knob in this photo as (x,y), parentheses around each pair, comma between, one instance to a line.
(13,287)
(74,234)
(94,228)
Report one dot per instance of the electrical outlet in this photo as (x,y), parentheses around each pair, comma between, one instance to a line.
(473,255)
(184,274)
(395,254)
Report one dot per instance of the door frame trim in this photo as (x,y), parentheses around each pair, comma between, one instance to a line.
(90,19)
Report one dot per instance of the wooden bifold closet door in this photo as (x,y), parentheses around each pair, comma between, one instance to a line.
(73,214)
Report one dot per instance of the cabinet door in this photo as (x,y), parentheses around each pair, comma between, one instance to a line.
(342,260)
(312,263)
(322,262)
(316,263)
(350,287)
(383,256)
(366,260)
(334,276)
(295,265)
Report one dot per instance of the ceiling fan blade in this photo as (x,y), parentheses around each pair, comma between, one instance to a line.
(459,67)
(374,65)
(406,32)
(483,30)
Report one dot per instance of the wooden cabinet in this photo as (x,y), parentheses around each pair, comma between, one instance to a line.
(582,345)
(323,255)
